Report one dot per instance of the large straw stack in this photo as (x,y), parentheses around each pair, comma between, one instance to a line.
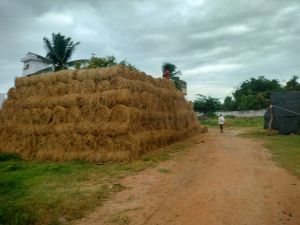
(102,115)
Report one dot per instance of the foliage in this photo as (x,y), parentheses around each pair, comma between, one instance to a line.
(229,104)
(206,105)
(59,50)
(107,61)
(174,73)
(292,84)
(255,93)
(128,65)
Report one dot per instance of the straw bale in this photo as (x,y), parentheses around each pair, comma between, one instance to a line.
(47,80)
(118,96)
(59,114)
(19,82)
(73,114)
(94,74)
(42,129)
(2,117)
(12,93)
(65,76)
(104,85)
(102,114)
(105,114)
(83,128)
(112,129)
(8,103)
(67,100)
(63,128)
(104,142)
(60,88)
(74,86)
(89,142)
(86,112)
(88,85)
(120,114)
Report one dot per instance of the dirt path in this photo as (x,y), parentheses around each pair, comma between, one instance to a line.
(226,180)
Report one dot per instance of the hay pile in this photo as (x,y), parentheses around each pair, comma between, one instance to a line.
(102,115)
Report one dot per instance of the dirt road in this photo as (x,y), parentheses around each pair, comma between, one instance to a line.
(227,180)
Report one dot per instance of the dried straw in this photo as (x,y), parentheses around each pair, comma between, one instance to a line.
(108,114)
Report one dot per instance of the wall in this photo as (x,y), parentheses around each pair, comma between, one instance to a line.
(248,113)
(33,66)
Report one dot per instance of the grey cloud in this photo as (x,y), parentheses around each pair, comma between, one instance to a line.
(216,44)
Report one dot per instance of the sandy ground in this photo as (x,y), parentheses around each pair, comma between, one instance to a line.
(221,179)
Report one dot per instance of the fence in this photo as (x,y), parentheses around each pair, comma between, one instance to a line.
(247,113)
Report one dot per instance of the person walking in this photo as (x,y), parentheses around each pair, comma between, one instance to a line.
(221,121)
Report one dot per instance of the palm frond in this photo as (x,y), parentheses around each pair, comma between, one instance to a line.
(59,50)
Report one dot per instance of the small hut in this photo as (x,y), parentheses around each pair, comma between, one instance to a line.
(284,112)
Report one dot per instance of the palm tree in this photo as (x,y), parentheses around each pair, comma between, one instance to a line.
(59,51)
(174,74)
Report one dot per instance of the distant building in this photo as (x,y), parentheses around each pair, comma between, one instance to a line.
(2,98)
(33,63)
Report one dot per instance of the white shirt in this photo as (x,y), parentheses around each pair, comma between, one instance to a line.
(221,120)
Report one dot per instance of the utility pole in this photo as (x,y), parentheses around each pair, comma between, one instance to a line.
(270,120)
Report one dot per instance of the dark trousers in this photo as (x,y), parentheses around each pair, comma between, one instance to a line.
(221,128)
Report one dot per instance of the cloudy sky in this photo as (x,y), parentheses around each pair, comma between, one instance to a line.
(216,44)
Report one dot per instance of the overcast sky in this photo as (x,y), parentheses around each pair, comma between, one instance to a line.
(216,44)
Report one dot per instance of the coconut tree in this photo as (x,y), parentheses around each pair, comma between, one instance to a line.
(59,51)
(174,73)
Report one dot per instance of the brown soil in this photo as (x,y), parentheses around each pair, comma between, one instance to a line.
(222,179)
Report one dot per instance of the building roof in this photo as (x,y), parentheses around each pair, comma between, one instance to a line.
(32,56)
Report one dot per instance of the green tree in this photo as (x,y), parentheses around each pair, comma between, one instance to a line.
(206,105)
(255,93)
(59,51)
(128,65)
(292,84)
(229,104)
(107,61)
(174,73)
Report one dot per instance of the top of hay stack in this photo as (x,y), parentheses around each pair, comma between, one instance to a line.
(98,114)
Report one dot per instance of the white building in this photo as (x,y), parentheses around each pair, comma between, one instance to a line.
(33,63)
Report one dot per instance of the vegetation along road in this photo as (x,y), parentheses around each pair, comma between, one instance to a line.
(221,179)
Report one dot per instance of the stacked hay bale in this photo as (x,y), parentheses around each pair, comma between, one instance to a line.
(102,115)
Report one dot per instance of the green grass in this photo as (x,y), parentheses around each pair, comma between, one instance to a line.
(36,192)
(120,219)
(234,122)
(285,149)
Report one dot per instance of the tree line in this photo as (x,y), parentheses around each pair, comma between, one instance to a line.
(252,94)
(60,49)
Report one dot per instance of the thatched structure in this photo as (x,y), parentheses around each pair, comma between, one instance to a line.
(102,115)
(284,113)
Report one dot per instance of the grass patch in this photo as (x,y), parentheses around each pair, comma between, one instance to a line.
(285,149)
(164,170)
(120,219)
(234,122)
(39,192)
